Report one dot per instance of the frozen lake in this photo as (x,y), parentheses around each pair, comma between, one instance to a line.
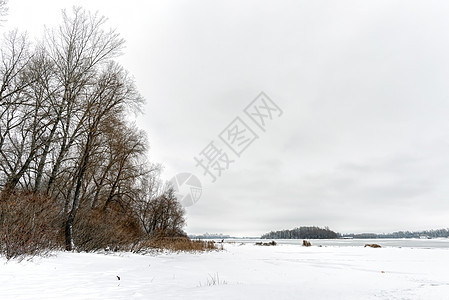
(241,271)
(399,243)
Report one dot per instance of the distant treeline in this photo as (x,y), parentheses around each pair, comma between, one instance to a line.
(302,233)
(325,233)
(210,236)
(438,233)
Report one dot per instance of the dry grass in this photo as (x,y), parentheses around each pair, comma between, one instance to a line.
(181,244)
(272,243)
(214,280)
(306,243)
(174,244)
(373,245)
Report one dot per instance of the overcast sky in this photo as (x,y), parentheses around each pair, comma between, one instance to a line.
(363,141)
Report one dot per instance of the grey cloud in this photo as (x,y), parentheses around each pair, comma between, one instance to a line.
(363,142)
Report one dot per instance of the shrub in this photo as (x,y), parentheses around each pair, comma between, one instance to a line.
(33,224)
(29,225)
(112,228)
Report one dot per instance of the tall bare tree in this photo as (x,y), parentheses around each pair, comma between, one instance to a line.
(79,48)
(16,109)
(112,93)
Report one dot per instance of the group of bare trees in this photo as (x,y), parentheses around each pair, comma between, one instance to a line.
(64,105)
(303,232)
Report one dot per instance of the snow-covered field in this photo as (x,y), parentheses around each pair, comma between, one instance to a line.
(240,272)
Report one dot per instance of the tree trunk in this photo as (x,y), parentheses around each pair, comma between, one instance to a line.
(69,245)
(40,168)
(56,166)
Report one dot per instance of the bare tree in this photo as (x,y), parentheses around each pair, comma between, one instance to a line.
(162,215)
(111,94)
(18,133)
(3,9)
(120,162)
(64,134)
(79,48)
(14,58)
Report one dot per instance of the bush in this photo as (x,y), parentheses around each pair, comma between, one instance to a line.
(29,225)
(112,228)
(33,224)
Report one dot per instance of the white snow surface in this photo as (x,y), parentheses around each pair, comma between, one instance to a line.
(240,272)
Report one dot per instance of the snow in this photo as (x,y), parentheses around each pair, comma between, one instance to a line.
(240,272)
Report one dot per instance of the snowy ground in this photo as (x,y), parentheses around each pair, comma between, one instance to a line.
(239,272)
